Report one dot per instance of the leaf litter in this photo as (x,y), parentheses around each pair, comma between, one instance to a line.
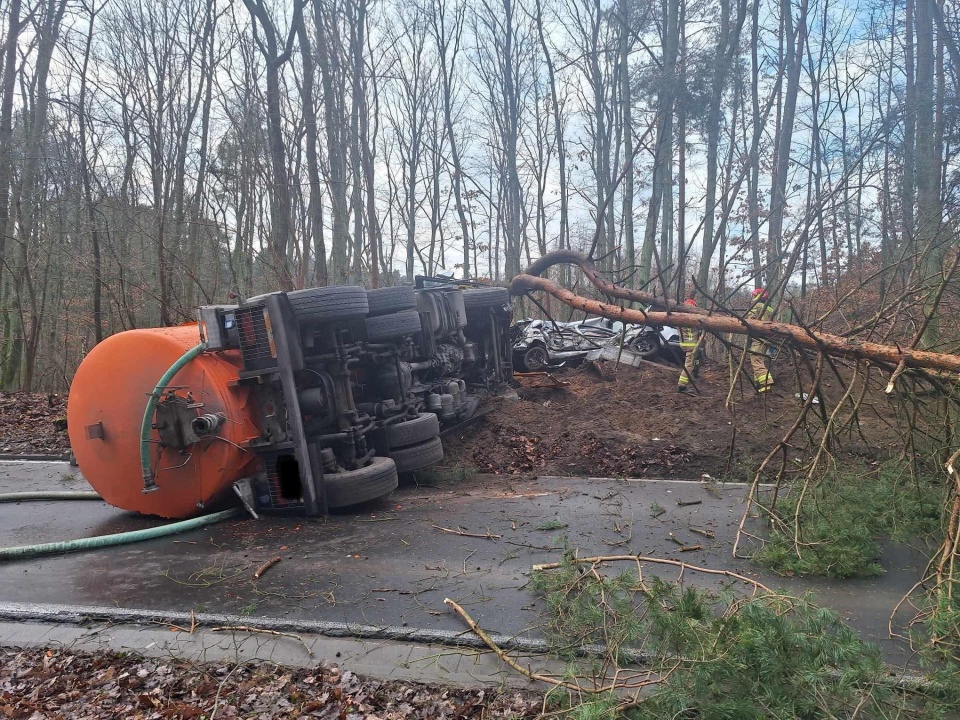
(38,684)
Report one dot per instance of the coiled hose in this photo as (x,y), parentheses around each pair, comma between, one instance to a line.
(149,484)
(124,538)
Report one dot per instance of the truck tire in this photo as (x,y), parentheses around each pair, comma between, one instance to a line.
(418,456)
(422,428)
(356,486)
(484,298)
(387,300)
(396,325)
(323,304)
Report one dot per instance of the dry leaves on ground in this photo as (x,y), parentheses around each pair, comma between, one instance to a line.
(54,684)
(33,423)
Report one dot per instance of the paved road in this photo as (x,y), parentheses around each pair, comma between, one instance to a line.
(387,564)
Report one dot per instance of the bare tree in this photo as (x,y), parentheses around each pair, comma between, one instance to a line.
(276,52)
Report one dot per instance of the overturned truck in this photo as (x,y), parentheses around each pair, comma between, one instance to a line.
(303,401)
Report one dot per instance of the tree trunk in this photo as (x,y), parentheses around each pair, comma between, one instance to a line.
(6,126)
(315,203)
(358,21)
(328,46)
(280,190)
(448,61)
(626,119)
(564,237)
(727,46)
(87,186)
(908,178)
(928,181)
(661,179)
(778,189)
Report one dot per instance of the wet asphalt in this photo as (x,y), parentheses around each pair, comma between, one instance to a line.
(392,562)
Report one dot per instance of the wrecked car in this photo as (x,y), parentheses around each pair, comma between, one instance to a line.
(540,344)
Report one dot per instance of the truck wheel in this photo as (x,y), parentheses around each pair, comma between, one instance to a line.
(418,456)
(323,304)
(391,299)
(390,327)
(356,486)
(423,427)
(483,298)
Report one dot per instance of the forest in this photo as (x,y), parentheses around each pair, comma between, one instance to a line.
(159,156)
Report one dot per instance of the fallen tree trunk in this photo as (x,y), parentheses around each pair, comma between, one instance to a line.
(693,317)
(572,257)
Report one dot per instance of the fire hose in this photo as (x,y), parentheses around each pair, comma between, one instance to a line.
(124,538)
(49,495)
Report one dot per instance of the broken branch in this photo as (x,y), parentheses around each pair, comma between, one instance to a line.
(464,533)
(266,566)
(652,679)
(656,561)
(263,631)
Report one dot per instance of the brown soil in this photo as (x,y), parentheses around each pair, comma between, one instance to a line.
(622,421)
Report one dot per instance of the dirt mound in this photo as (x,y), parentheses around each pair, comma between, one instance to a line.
(620,421)
(606,421)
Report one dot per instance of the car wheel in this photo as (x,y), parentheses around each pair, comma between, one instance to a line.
(484,298)
(646,346)
(387,300)
(418,456)
(323,304)
(422,428)
(356,486)
(536,359)
(390,327)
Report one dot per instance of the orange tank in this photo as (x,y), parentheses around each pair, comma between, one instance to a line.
(105,412)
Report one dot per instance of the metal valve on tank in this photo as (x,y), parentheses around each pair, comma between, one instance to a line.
(207,424)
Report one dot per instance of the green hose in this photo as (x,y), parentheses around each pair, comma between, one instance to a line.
(50,495)
(125,538)
(149,485)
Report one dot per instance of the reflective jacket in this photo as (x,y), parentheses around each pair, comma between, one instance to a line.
(688,338)
(760,310)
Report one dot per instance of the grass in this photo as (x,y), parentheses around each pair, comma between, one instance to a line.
(717,656)
(844,516)
(249,609)
(552,524)
(445,474)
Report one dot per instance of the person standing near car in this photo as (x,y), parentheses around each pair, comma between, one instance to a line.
(689,342)
(758,349)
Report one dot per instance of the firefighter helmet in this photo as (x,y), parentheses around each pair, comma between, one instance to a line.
(760,294)
(690,301)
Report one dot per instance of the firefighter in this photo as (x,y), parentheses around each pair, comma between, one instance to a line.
(689,341)
(758,349)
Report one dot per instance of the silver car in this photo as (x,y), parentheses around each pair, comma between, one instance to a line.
(540,344)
